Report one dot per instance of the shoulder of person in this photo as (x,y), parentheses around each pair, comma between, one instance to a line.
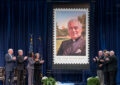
(66,41)
(29,58)
(82,39)
(20,56)
(7,54)
(113,57)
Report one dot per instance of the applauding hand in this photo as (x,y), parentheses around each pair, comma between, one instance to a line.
(94,59)
(36,59)
(42,61)
(107,59)
(14,58)
(25,58)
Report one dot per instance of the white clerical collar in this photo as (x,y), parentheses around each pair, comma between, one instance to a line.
(73,40)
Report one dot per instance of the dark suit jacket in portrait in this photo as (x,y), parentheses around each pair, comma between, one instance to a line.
(20,63)
(9,63)
(73,48)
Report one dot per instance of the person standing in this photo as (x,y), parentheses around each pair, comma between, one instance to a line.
(9,67)
(30,68)
(112,68)
(20,67)
(105,68)
(37,69)
(98,61)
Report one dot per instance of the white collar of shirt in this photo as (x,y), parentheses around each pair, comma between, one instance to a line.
(10,55)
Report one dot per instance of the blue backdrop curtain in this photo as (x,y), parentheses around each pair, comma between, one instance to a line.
(20,18)
(108,27)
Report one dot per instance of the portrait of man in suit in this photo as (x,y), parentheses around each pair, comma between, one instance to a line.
(75,45)
(70,36)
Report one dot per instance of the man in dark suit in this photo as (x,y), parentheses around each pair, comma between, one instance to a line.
(76,45)
(112,68)
(20,67)
(9,67)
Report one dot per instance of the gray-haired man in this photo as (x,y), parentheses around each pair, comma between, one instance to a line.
(99,62)
(77,44)
(9,67)
(20,67)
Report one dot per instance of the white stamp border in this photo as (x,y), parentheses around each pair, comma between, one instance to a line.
(70,59)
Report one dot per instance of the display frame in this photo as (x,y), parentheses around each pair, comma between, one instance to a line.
(70,62)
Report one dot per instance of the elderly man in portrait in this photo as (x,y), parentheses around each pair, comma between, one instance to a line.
(76,46)
(9,67)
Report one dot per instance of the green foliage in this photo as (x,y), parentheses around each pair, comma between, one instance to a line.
(93,81)
(48,81)
(82,20)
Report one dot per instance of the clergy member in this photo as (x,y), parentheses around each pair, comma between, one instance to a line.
(76,45)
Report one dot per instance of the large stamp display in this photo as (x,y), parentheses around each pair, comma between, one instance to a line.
(70,36)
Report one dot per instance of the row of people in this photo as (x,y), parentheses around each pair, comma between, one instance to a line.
(106,67)
(33,67)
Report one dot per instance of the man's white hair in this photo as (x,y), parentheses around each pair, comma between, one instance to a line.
(112,51)
(10,49)
(100,51)
(75,20)
(20,50)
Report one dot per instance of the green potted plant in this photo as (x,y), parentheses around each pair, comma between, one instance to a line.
(48,81)
(93,81)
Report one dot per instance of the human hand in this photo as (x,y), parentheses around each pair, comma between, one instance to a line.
(36,59)
(101,60)
(97,58)
(42,61)
(14,58)
(25,58)
(94,59)
(107,59)
(100,65)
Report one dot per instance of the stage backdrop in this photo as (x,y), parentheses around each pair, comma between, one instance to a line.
(20,18)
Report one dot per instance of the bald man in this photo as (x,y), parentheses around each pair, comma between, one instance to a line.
(76,45)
